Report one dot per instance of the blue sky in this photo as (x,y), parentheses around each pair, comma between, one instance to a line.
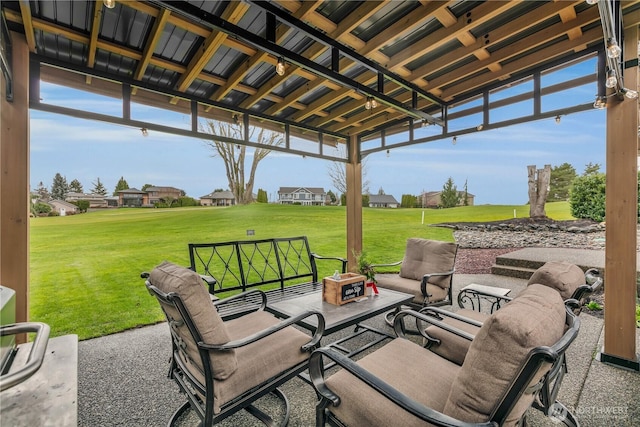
(494,163)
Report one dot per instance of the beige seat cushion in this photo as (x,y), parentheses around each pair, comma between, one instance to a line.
(423,256)
(261,360)
(188,285)
(414,371)
(411,286)
(536,317)
(559,275)
(453,347)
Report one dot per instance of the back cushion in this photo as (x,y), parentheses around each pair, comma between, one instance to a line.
(424,256)
(562,276)
(189,286)
(536,317)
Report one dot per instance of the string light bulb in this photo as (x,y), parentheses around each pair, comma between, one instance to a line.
(592,1)
(612,80)
(600,103)
(558,118)
(454,140)
(109,4)
(613,50)
(388,152)
(280,67)
(629,93)
(145,132)
(480,127)
(371,103)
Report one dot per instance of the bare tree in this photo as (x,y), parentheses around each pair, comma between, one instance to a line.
(338,174)
(234,155)
(538,190)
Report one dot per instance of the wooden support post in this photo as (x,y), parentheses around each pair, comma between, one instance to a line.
(14,182)
(621,216)
(354,202)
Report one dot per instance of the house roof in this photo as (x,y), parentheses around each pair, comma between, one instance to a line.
(161,189)
(435,193)
(131,191)
(313,190)
(219,195)
(62,203)
(85,195)
(382,198)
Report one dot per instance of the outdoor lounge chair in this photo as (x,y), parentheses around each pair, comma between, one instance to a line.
(567,279)
(224,366)
(426,272)
(405,384)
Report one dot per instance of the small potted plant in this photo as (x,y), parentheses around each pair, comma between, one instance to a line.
(366,269)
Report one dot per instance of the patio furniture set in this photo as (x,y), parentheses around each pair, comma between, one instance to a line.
(229,352)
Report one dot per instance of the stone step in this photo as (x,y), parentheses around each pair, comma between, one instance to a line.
(519,263)
(512,271)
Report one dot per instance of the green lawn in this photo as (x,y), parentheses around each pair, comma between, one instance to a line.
(85,268)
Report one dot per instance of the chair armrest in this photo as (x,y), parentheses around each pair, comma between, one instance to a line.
(241,295)
(315,339)
(316,372)
(426,277)
(392,264)
(335,258)
(398,325)
(439,313)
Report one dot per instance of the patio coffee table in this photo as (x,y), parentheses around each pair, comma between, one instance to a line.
(339,317)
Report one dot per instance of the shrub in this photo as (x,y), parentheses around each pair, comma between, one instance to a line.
(186,201)
(82,205)
(587,199)
(42,208)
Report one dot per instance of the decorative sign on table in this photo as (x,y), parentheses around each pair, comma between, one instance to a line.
(349,287)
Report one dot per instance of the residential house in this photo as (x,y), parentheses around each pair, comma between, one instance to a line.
(163,194)
(112,201)
(63,208)
(302,195)
(133,198)
(218,198)
(431,199)
(95,200)
(382,201)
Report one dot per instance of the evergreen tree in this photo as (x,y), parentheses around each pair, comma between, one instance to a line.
(76,187)
(449,196)
(262,196)
(408,201)
(561,179)
(591,169)
(59,188)
(144,187)
(465,197)
(98,188)
(381,192)
(121,185)
(332,196)
(43,193)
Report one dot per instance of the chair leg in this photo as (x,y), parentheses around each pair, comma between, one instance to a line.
(560,413)
(388,316)
(178,413)
(265,418)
